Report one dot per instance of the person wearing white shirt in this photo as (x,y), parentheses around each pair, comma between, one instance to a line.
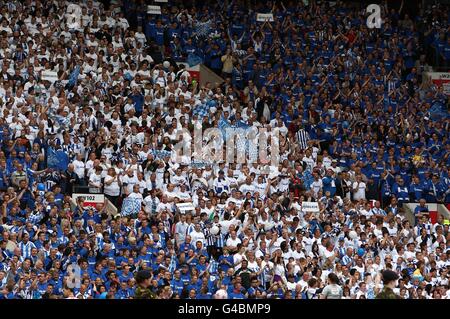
(183,195)
(248,186)
(95,179)
(163,205)
(197,235)
(151,202)
(128,181)
(233,241)
(359,189)
(316,185)
(79,166)
(112,185)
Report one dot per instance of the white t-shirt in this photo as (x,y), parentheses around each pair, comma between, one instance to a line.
(130,181)
(96,180)
(197,236)
(112,189)
(316,186)
(79,167)
(360,190)
(332,292)
(233,242)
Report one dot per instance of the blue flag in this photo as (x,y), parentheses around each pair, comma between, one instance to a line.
(130,206)
(160,154)
(57,159)
(73,77)
(202,110)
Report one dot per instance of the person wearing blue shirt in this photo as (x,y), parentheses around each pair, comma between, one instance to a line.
(435,191)
(439,45)
(189,48)
(400,190)
(420,209)
(214,56)
(225,260)
(329,183)
(195,283)
(236,292)
(157,31)
(416,189)
(177,284)
(186,246)
(185,275)
(150,28)
(173,31)
(138,101)
(145,257)
(204,293)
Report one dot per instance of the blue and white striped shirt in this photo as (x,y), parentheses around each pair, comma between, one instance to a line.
(25,248)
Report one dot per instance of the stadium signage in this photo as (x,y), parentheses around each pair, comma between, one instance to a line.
(90,199)
(441,79)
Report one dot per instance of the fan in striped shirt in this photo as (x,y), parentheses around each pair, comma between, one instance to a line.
(25,246)
(303,138)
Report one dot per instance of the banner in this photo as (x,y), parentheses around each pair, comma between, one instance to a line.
(262,17)
(310,207)
(50,76)
(57,159)
(153,9)
(184,207)
(162,1)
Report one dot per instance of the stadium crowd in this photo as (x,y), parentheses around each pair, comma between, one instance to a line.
(360,132)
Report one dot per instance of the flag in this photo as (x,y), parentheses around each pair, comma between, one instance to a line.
(130,206)
(57,159)
(193,60)
(73,77)
(161,154)
(199,164)
(202,110)
(62,120)
(203,29)
(438,111)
